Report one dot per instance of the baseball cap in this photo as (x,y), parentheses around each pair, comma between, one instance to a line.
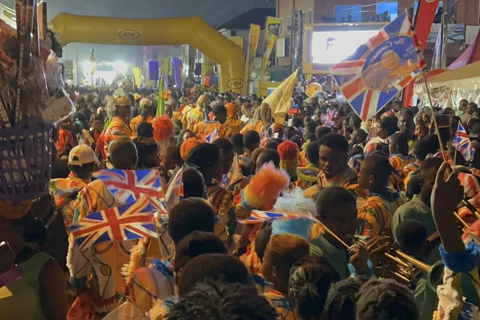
(81,155)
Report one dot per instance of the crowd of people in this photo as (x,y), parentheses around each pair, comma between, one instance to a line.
(353,196)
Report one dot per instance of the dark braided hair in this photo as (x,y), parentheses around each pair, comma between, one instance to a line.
(222,301)
(309,282)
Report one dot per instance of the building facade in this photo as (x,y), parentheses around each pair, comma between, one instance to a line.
(465,12)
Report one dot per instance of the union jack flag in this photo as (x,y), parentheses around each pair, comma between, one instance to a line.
(174,193)
(128,222)
(234,175)
(257,217)
(132,185)
(265,136)
(462,143)
(328,119)
(212,136)
(380,68)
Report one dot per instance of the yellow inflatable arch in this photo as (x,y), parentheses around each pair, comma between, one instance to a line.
(152,32)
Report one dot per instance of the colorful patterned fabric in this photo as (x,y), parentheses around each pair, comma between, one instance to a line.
(255,125)
(204,128)
(475,172)
(412,167)
(451,305)
(135,121)
(191,117)
(375,215)
(104,260)
(281,303)
(471,188)
(399,161)
(234,125)
(307,176)
(345,178)
(65,141)
(373,143)
(222,204)
(64,192)
(117,127)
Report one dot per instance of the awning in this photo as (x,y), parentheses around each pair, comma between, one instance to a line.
(467,77)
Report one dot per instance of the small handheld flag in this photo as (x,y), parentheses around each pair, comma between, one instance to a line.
(258,217)
(462,143)
(128,222)
(265,136)
(174,193)
(132,185)
(380,68)
(328,119)
(212,136)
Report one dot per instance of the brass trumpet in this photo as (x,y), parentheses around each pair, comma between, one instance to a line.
(409,269)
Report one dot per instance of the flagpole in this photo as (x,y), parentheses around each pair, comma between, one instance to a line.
(437,130)
(455,157)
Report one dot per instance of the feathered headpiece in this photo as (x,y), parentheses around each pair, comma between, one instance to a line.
(288,152)
(264,187)
(163,128)
(294,202)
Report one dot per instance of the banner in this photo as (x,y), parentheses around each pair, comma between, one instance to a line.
(471,54)
(425,15)
(270,37)
(280,100)
(160,101)
(137,75)
(238,41)
(251,53)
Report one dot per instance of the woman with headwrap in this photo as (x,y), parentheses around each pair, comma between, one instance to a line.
(119,125)
(232,118)
(147,113)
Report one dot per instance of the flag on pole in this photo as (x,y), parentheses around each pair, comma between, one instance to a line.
(128,222)
(380,68)
(462,143)
(328,119)
(265,137)
(212,136)
(160,102)
(258,217)
(234,175)
(272,25)
(131,185)
(174,194)
(280,99)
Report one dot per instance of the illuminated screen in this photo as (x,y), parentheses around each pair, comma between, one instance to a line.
(331,47)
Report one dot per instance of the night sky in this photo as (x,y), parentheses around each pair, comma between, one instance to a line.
(214,12)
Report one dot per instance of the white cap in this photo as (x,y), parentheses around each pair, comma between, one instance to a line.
(81,155)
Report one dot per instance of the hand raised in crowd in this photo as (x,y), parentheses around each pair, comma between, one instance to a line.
(447,193)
